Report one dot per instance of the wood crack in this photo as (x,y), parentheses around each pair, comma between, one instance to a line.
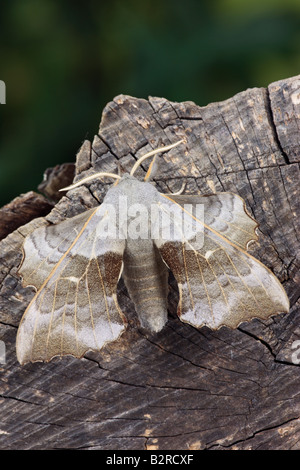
(254,434)
(274,128)
(268,347)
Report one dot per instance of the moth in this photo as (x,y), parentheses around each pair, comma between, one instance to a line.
(75,267)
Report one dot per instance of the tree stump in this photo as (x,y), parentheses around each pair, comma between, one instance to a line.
(182,388)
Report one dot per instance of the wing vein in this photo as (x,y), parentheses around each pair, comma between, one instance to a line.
(221,288)
(91,311)
(63,320)
(91,235)
(47,257)
(51,318)
(257,278)
(104,294)
(75,317)
(239,275)
(187,276)
(36,320)
(215,232)
(232,285)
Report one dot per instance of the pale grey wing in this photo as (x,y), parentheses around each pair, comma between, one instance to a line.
(77,271)
(219,282)
(45,246)
(226,213)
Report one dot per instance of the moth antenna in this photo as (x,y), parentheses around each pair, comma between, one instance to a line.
(180,190)
(89,178)
(153,152)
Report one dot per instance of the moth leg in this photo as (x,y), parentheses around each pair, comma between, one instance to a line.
(180,190)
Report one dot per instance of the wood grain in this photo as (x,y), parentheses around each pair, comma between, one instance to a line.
(182,388)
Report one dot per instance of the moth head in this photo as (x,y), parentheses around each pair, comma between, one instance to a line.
(152,153)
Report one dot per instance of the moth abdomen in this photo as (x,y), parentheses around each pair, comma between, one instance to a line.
(146,279)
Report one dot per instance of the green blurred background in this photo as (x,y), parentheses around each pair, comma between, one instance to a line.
(62,61)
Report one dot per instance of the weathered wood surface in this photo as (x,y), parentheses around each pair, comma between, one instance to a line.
(21,210)
(182,388)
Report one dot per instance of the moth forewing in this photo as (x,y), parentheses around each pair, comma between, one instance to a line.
(44,247)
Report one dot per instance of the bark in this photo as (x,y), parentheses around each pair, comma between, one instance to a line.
(182,388)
